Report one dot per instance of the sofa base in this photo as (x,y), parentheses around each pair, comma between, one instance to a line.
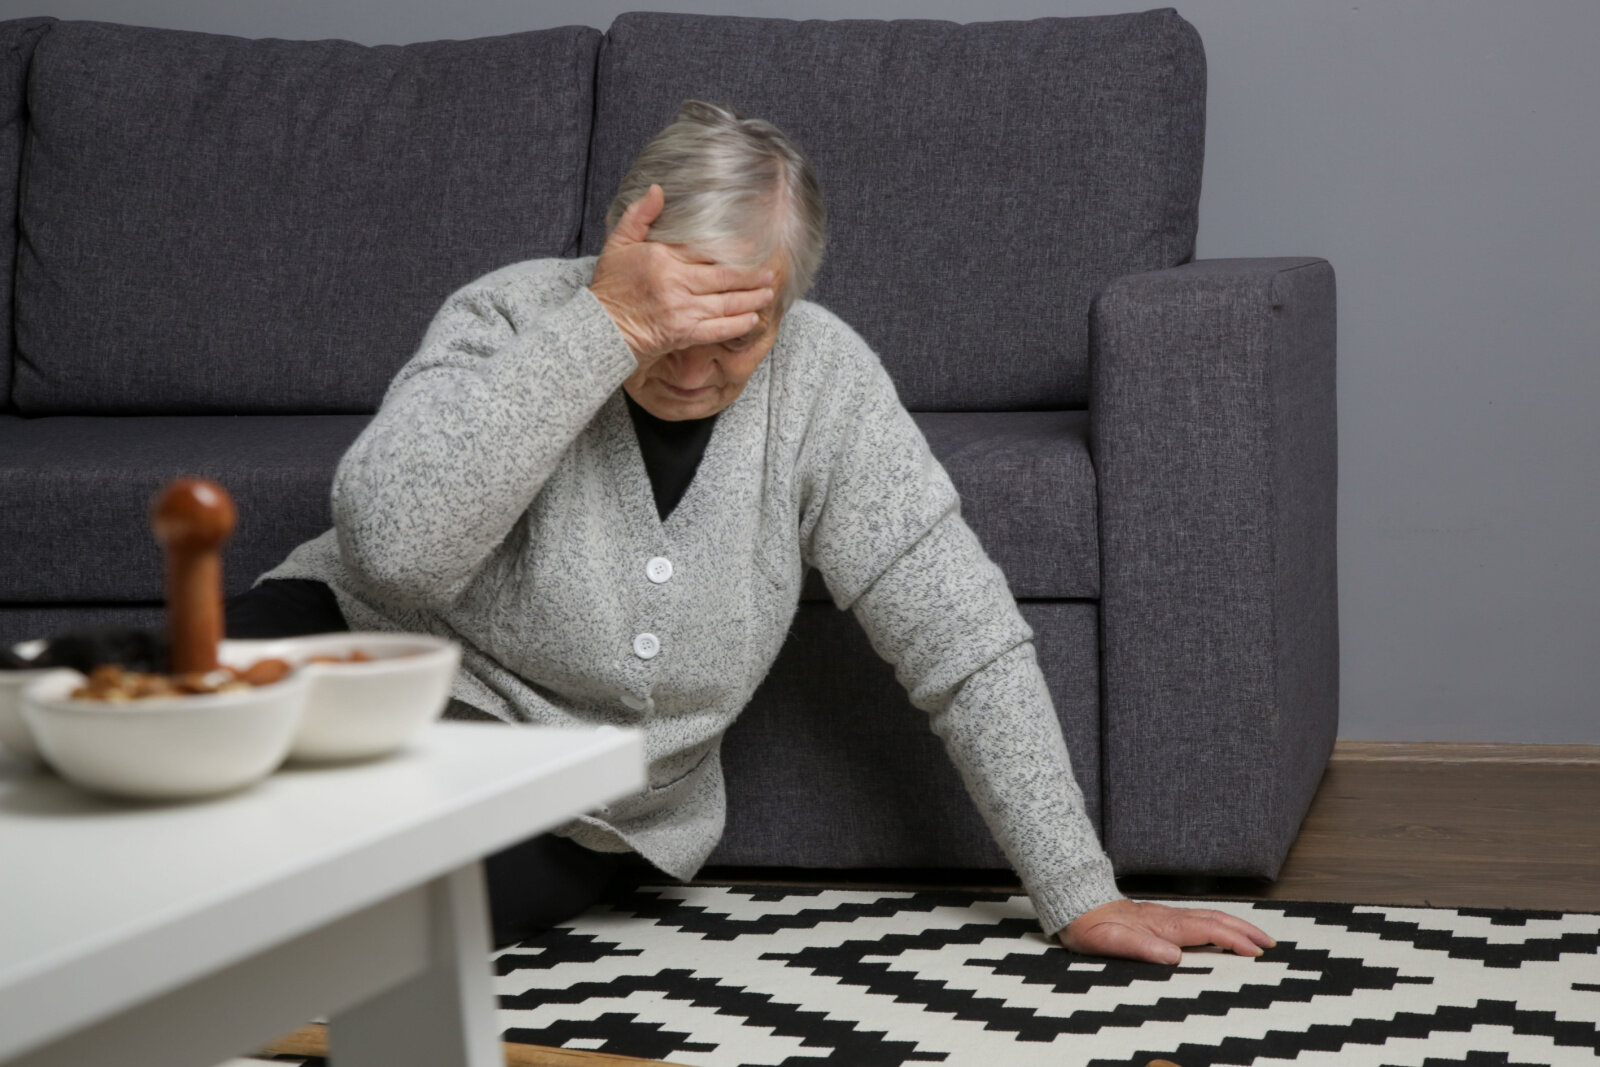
(864,781)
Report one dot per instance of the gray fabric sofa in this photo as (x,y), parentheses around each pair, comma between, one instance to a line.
(223,249)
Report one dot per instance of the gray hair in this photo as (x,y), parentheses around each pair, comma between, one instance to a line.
(737,189)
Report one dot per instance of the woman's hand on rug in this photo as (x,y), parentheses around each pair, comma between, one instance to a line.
(1156,933)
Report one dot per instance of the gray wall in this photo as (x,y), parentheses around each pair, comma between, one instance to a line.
(1444,155)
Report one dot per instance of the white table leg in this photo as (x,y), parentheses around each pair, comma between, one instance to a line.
(447,1016)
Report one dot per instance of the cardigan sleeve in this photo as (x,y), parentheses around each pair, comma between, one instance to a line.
(469,430)
(882,523)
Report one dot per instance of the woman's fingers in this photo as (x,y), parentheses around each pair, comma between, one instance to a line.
(704,278)
(1155,933)
(722,316)
(741,302)
(1213,928)
(705,290)
(1256,935)
(1129,942)
(715,331)
(1252,934)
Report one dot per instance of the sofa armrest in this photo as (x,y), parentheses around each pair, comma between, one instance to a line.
(1214,440)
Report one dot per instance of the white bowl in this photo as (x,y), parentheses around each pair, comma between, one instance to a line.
(164,748)
(15,734)
(360,710)
(15,737)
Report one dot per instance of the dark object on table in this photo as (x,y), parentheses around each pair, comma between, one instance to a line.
(84,650)
(192,519)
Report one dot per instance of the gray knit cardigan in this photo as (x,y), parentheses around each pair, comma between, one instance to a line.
(499,498)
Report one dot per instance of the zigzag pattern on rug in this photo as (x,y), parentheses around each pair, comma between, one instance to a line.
(794,976)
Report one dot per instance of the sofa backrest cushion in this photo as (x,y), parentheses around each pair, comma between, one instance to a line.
(983,181)
(215,224)
(17,38)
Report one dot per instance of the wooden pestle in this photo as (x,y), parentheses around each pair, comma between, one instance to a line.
(192,518)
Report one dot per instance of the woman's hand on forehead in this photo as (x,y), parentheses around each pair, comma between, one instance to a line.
(662,299)
(721,274)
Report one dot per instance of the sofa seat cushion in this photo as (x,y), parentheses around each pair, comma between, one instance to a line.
(983,180)
(1027,490)
(218,225)
(77,491)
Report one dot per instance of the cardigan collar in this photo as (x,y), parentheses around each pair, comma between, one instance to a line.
(737,440)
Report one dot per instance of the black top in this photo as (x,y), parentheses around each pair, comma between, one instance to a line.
(671,450)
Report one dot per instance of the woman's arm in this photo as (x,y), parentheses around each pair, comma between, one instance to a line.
(509,372)
(939,607)
(881,521)
(939,613)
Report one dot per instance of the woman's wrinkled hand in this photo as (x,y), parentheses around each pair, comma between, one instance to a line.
(662,298)
(1156,933)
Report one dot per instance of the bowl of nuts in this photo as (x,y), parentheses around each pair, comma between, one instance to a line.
(162,717)
(368,694)
(184,713)
(166,737)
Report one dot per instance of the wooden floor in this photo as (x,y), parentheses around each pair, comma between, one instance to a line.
(1449,826)
(1490,826)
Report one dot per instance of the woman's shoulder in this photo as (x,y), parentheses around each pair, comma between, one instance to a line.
(557,271)
(819,346)
(518,290)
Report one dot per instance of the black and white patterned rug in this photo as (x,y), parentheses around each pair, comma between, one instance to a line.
(796,976)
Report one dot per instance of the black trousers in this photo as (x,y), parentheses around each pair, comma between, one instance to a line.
(534,884)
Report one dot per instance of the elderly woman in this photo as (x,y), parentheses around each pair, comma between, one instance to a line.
(605,476)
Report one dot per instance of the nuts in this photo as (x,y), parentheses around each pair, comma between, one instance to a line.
(264,672)
(355,656)
(115,685)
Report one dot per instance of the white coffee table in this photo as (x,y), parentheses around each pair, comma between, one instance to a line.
(186,934)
